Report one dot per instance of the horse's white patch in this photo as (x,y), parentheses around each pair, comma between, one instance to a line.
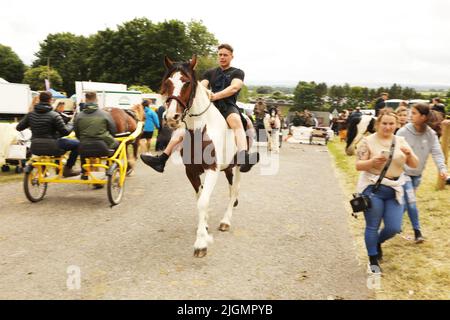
(177,86)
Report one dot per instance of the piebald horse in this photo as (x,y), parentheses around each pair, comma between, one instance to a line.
(208,145)
(272,126)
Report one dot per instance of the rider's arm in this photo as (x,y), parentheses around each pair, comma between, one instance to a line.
(233,88)
(63,129)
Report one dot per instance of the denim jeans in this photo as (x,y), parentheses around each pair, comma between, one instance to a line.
(410,188)
(70,145)
(384,208)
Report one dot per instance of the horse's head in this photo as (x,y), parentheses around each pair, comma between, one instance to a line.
(178,86)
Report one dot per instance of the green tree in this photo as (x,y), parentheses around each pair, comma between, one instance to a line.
(68,54)
(141,88)
(243,94)
(264,90)
(35,77)
(395,91)
(135,52)
(305,96)
(204,63)
(11,67)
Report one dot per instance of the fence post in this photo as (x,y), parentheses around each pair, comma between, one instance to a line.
(445,143)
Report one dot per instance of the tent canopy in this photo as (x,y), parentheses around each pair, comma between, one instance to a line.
(56,94)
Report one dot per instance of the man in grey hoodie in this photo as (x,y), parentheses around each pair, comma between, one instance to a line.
(424,141)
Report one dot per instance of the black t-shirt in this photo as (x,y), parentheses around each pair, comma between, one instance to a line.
(220,79)
(379,104)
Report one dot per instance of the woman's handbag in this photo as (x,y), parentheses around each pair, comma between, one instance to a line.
(361,202)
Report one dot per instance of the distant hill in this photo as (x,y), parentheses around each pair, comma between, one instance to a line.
(293,84)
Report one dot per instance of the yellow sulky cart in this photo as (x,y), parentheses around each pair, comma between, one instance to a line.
(46,166)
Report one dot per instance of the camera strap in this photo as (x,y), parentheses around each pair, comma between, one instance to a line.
(386,167)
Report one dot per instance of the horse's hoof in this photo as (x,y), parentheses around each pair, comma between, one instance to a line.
(224,227)
(235,203)
(200,253)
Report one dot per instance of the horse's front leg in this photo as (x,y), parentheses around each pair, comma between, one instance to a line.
(203,238)
(234,181)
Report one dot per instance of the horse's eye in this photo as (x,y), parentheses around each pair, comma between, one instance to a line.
(186,83)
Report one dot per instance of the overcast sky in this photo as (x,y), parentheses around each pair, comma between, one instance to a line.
(277,41)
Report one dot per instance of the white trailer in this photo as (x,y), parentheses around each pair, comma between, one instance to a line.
(108,94)
(15,98)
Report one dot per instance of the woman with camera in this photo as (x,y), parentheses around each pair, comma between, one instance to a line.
(380,158)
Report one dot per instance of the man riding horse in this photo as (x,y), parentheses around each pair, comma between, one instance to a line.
(225,83)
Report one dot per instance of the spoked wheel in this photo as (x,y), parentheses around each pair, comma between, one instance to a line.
(34,190)
(115,191)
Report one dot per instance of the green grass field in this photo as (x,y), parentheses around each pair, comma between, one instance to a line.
(410,271)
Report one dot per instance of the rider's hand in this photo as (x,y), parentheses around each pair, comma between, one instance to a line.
(213,97)
(443,175)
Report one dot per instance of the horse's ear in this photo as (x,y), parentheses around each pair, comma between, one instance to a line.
(193,62)
(168,63)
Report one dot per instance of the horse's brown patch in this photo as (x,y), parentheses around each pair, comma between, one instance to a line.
(207,159)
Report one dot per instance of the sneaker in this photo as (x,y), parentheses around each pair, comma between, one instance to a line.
(380,252)
(373,266)
(158,163)
(69,172)
(245,167)
(418,238)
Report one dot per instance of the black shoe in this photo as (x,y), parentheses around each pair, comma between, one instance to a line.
(249,160)
(418,238)
(380,252)
(69,172)
(374,266)
(158,163)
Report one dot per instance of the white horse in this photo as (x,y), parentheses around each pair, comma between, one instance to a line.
(207,131)
(272,125)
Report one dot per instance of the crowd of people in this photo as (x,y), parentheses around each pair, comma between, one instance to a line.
(399,149)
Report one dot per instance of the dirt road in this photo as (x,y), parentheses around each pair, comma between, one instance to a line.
(289,238)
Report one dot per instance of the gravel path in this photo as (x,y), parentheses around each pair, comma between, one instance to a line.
(289,238)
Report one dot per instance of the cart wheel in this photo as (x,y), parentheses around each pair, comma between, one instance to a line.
(34,190)
(115,191)
(5,168)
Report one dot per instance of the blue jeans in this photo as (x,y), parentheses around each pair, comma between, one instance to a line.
(410,200)
(384,207)
(69,145)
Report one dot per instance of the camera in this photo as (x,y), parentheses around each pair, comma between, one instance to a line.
(360,202)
